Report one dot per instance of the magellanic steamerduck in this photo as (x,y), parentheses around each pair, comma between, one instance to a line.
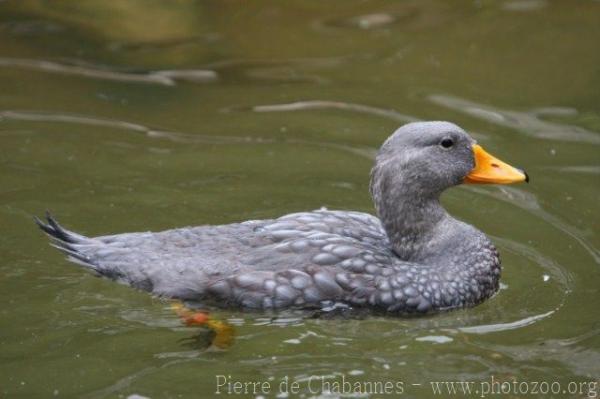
(413,257)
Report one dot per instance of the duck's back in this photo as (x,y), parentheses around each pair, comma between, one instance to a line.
(212,262)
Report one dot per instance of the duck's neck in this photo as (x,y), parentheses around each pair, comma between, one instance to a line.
(410,215)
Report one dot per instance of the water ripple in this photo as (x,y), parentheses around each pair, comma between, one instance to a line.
(529,202)
(162,77)
(558,272)
(323,104)
(177,137)
(126,381)
(528,123)
(485,329)
(40,116)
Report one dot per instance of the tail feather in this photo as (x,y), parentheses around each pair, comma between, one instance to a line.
(95,254)
(65,240)
(55,230)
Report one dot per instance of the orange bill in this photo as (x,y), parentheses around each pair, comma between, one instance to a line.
(490,170)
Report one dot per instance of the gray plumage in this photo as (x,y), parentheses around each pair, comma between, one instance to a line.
(413,258)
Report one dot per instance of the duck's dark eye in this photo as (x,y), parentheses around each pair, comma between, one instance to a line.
(447,143)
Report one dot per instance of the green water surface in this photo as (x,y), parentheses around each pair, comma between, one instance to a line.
(145,115)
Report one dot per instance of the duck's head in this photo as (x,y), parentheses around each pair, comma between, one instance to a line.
(428,157)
